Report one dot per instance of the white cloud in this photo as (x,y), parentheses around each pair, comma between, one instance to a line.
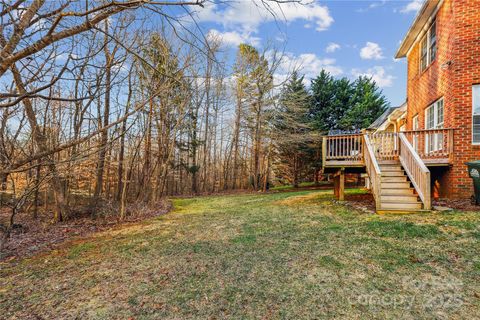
(332,47)
(378,74)
(249,15)
(412,6)
(233,38)
(308,64)
(371,51)
(372,5)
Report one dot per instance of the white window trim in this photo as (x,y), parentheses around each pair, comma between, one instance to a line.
(415,120)
(435,126)
(427,36)
(473,114)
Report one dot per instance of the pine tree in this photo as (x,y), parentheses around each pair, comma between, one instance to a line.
(321,102)
(367,104)
(292,131)
(343,92)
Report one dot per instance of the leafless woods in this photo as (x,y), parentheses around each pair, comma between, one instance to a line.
(98,103)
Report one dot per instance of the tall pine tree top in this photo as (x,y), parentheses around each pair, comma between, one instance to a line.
(339,104)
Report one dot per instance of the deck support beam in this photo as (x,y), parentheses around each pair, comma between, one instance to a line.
(339,184)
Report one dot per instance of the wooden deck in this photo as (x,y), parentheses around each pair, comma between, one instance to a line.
(434,147)
(394,163)
(344,163)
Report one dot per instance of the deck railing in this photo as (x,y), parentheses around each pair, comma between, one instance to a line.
(416,170)
(343,148)
(412,148)
(373,170)
(432,144)
(385,145)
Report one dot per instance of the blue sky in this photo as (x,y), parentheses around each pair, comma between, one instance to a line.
(348,38)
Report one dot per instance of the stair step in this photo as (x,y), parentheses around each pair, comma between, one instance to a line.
(394,179)
(401,211)
(399,198)
(391,168)
(400,205)
(396,185)
(393,173)
(388,162)
(391,164)
(396,191)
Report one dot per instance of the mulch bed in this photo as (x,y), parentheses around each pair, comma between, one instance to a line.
(363,202)
(366,203)
(30,236)
(458,204)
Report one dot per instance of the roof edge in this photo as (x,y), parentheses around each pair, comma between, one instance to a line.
(422,17)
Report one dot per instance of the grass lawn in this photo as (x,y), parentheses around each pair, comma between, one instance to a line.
(288,255)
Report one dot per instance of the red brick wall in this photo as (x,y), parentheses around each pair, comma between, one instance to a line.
(458,41)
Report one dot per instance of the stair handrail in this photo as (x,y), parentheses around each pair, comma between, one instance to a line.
(416,170)
(373,170)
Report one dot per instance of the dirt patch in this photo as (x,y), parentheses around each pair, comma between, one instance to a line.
(30,236)
(360,201)
(366,203)
(457,204)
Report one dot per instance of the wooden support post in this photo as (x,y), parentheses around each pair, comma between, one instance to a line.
(341,178)
(339,184)
(336,186)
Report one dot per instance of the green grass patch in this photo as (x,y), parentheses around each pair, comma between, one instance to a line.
(330,262)
(401,229)
(466,225)
(80,249)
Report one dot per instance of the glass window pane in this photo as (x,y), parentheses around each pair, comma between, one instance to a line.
(423,53)
(424,46)
(430,123)
(433,41)
(476,128)
(433,52)
(476,99)
(440,113)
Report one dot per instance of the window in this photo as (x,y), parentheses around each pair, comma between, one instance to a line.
(434,120)
(415,128)
(423,54)
(428,47)
(432,48)
(476,114)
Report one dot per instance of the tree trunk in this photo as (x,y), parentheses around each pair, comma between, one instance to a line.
(236,137)
(123,132)
(60,212)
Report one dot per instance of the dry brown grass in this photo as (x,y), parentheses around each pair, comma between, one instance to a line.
(292,255)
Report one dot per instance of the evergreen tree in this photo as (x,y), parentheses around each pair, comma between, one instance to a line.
(367,104)
(321,102)
(343,93)
(339,104)
(293,140)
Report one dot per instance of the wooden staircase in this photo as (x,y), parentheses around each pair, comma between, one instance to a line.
(397,193)
(396,164)
(400,181)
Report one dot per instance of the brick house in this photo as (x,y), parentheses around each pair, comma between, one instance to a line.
(419,151)
(442,49)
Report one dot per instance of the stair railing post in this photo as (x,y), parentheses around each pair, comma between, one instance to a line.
(428,192)
(324,150)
